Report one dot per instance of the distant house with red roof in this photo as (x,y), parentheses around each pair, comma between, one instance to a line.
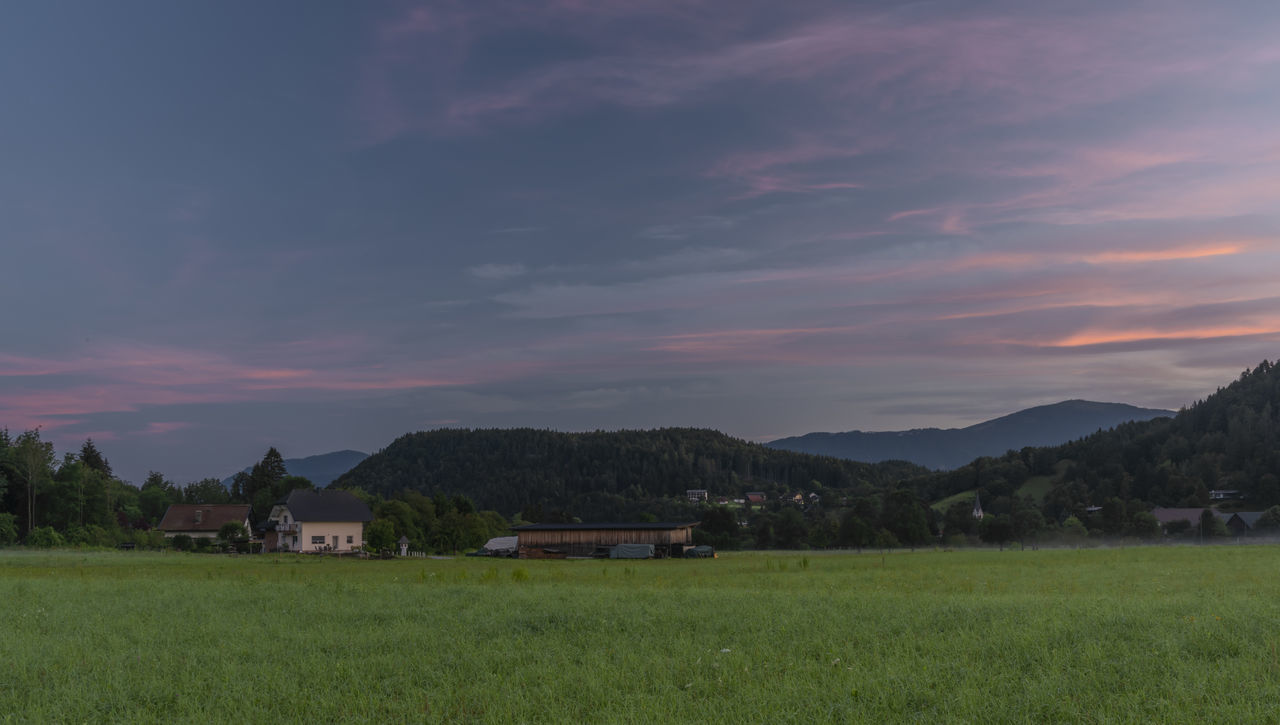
(202,520)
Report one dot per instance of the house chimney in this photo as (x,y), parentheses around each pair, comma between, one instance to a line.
(199,516)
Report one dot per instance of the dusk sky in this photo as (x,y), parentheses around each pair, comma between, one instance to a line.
(321,225)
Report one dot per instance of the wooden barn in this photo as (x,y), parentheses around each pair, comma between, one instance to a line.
(553,541)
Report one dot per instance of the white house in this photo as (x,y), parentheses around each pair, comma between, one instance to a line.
(310,521)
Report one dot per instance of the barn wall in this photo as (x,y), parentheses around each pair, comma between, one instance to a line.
(584,541)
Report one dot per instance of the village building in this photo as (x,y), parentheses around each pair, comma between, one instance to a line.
(203,520)
(554,541)
(1170,516)
(316,521)
(1242,523)
(696,495)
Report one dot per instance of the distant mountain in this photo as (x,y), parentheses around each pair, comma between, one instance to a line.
(1225,442)
(320,470)
(1045,425)
(601,475)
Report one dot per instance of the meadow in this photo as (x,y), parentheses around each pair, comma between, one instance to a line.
(1152,634)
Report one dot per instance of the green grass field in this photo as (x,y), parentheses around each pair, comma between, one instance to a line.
(1160,634)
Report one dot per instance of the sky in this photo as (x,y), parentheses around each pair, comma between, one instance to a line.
(320,225)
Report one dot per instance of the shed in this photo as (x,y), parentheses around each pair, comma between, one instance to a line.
(501,546)
(668,539)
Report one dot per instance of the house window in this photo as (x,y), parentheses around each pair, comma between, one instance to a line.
(317,540)
(348,539)
(295,541)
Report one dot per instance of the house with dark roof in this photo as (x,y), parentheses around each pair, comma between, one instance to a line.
(202,520)
(1242,523)
(316,521)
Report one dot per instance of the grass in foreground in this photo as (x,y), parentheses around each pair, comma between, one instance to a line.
(1133,635)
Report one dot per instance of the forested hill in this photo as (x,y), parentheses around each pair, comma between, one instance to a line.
(1044,425)
(1230,440)
(602,473)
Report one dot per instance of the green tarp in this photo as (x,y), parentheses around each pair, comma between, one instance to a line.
(631,551)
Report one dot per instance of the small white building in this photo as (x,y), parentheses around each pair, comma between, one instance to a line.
(318,521)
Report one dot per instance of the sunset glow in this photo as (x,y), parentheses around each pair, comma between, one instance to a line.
(766,218)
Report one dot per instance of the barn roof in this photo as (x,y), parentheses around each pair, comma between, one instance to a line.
(182,516)
(1169,515)
(599,527)
(326,505)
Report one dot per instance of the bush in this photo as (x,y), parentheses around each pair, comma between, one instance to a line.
(45,537)
(886,540)
(8,529)
(181,542)
(232,531)
(90,535)
(77,536)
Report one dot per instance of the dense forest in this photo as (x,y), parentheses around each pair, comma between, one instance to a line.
(603,476)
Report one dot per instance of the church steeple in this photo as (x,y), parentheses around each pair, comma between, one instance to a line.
(977,506)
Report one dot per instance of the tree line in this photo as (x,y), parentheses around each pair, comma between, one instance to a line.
(77,500)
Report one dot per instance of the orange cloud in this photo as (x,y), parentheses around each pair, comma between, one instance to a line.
(1087,338)
(1163,255)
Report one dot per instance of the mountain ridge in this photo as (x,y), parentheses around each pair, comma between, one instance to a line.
(950,448)
(600,474)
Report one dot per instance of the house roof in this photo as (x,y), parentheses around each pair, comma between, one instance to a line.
(612,527)
(1250,518)
(182,516)
(1168,516)
(326,505)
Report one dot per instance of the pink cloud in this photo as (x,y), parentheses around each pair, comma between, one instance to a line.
(162,427)
(127,378)
(1028,66)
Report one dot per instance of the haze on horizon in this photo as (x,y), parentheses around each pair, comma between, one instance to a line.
(320,225)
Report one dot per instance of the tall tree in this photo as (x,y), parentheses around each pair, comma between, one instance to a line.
(156,495)
(32,458)
(92,458)
(208,490)
(268,472)
(904,516)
